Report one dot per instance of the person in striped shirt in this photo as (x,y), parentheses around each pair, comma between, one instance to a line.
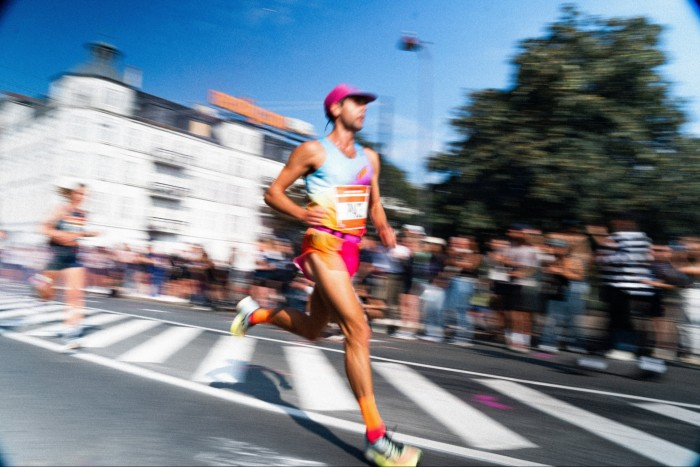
(624,260)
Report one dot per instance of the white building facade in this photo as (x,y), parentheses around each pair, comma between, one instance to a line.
(156,171)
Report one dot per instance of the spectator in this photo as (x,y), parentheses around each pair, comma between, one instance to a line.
(485,319)
(521,260)
(563,301)
(198,263)
(215,279)
(363,281)
(270,267)
(387,282)
(157,270)
(461,268)
(299,291)
(142,276)
(689,330)
(127,259)
(498,274)
(409,304)
(432,302)
(668,282)
(624,260)
(179,277)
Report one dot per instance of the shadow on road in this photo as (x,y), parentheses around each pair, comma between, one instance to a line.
(264,384)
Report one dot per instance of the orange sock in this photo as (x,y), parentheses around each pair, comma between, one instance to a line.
(261,315)
(373,421)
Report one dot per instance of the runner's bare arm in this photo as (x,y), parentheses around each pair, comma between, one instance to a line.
(303,160)
(376,210)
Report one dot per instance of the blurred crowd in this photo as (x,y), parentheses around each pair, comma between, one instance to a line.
(188,275)
(585,289)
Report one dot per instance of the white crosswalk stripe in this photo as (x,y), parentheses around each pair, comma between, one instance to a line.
(50,317)
(474,427)
(673,411)
(111,336)
(316,382)
(226,362)
(26,311)
(97,319)
(657,449)
(10,302)
(159,348)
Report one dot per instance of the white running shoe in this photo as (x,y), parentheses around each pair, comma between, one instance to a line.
(387,452)
(241,323)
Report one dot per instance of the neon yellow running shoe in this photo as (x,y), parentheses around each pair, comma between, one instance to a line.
(241,323)
(386,452)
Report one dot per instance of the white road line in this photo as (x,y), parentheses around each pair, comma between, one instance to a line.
(154,310)
(114,334)
(475,428)
(162,346)
(226,362)
(684,415)
(103,318)
(316,382)
(649,446)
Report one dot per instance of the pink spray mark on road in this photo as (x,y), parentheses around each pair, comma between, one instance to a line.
(546,356)
(490,401)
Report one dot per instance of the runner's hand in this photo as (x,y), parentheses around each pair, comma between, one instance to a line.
(387,236)
(314,215)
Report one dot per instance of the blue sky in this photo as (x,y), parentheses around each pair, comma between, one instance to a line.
(287,54)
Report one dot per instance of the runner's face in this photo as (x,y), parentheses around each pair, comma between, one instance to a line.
(353,110)
(77,196)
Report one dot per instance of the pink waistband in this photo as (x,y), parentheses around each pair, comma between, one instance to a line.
(345,236)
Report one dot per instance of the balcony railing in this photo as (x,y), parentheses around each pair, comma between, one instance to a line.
(166,156)
(158,224)
(165,189)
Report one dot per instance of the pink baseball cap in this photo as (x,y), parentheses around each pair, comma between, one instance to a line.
(342,91)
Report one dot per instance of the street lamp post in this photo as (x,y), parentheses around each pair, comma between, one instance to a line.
(410,42)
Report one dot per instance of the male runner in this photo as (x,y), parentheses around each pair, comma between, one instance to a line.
(342,183)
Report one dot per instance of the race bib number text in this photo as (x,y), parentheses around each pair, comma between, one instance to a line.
(351,204)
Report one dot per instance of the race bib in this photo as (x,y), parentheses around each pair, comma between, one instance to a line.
(351,202)
(73,223)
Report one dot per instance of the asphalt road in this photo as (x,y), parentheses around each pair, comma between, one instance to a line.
(163,384)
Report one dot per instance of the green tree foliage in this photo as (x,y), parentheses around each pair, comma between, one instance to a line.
(588,128)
